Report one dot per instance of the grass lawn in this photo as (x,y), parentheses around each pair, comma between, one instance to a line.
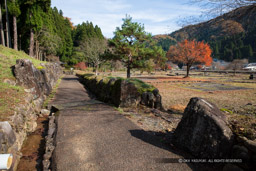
(10,95)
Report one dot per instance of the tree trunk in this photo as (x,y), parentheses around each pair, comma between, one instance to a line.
(31,45)
(128,71)
(96,69)
(188,67)
(8,37)
(129,66)
(1,27)
(20,42)
(37,50)
(15,34)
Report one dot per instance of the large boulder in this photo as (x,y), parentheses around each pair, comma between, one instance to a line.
(116,92)
(7,137)
(203,131)
(152,99)
(29,77)
(36,81)
(130,95)
(125,94)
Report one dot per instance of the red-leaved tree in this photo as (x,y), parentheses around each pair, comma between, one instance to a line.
(190,52)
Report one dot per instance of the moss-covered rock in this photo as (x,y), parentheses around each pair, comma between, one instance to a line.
(122,92)
(116,92)
(141,86)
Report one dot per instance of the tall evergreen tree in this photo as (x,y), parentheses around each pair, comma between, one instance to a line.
(15,12)
(8,37)
(1,27)
(32,11)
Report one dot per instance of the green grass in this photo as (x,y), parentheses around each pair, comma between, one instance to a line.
(120,110)
(226,110)
(141,86)
(11,96)
(8,59)
(52,94)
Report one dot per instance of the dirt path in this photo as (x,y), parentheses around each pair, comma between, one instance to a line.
(93,136)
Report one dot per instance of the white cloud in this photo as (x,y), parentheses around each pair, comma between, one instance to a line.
(156,15)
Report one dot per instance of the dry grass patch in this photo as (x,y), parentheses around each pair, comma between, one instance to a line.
(177,108)
(10,96)
(243,126)
(239,105)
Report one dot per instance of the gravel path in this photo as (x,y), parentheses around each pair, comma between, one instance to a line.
(94,136)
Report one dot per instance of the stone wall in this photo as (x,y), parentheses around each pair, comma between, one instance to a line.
(205,132)
(37,84)
(123,92)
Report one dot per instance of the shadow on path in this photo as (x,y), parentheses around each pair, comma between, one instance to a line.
(70,79)
(163,141)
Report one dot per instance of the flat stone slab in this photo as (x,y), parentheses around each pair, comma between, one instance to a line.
(94,136)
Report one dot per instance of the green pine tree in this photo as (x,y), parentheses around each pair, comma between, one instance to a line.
(133,46)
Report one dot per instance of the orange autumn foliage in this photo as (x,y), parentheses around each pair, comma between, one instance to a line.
(190,52)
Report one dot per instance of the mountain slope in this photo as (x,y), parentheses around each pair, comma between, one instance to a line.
(237,21)
(231,36)
(165,41)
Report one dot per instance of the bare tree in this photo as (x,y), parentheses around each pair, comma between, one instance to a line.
(218,7)
(1,27)
(212,9)
(93,49)
(237,64)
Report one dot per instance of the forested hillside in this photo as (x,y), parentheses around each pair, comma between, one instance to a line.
(237,21)
(41,31)
(165,41)
(231,36)
(239,46)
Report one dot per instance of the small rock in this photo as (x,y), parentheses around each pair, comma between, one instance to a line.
(250,145)
(31,126)
(237,148)
(30,90)
(155,91)
(144,99)
(51,131)
(240,152)
(7,136)
(241,139)
(10,82)
(47,156)
(231,167)
(28,98)
(46,164)
(254,158)
(45,112)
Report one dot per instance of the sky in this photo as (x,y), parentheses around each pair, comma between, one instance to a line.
(158,16)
